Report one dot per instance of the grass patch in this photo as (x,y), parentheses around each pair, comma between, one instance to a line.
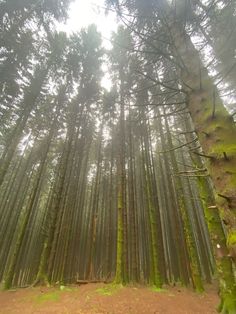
(52,295)
(49,296)
(109,289)
(68,289)
(156,289)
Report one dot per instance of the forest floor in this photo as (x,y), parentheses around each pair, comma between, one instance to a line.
(109,299)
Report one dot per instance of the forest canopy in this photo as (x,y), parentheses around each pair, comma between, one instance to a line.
(136,184)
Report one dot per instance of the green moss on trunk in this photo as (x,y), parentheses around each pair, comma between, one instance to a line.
(155,276)
(42,277)
(194,264)
(119,254)
(224,266)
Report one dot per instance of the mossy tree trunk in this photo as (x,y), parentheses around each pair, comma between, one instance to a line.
(192,258)
(224,260)
(214,126)
(155,235)
(119,276)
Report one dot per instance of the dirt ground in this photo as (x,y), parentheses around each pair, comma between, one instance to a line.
(107,298)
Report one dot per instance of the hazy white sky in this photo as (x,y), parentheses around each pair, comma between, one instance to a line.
(85,12)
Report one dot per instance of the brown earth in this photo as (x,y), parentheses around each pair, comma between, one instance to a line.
(109,299)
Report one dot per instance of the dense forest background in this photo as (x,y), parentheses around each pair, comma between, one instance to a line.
(132,184)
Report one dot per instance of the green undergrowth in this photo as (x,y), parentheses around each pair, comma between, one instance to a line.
(219,148)
(109,289)
(231,239)
(227,305)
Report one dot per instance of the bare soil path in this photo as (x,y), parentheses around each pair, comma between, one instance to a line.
(107,299)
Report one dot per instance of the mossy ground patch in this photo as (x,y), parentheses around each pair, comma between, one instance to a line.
(109,289)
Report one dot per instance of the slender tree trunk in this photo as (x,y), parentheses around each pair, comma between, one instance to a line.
(26,216)
(121,177)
